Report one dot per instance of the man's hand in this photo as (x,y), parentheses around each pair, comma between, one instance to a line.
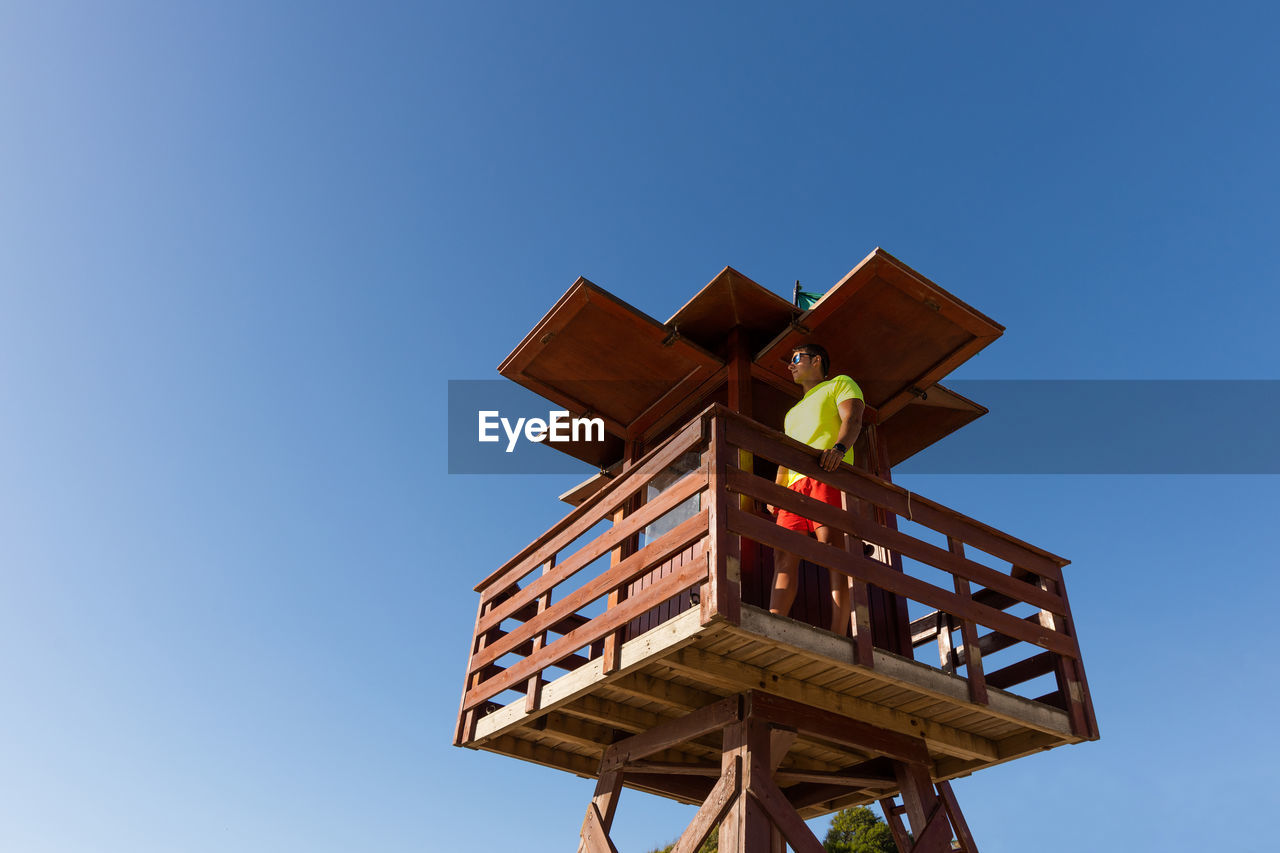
(830,459)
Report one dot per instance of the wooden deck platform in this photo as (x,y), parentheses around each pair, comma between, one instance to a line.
(682,666)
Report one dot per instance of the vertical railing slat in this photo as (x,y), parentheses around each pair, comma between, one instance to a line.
(533,693)
(969,635)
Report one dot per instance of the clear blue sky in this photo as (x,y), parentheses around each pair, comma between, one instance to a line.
(243,246)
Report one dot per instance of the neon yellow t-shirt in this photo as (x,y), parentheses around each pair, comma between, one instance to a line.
(815,420)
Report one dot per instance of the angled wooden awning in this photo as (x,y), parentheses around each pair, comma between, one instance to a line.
(926,420)
(732,300)
(890,328)
(597,356)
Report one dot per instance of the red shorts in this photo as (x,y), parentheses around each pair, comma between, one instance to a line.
(814,489)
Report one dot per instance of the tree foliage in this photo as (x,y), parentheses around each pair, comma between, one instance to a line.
(858,830)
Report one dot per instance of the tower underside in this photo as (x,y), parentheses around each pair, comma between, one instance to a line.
(682,666)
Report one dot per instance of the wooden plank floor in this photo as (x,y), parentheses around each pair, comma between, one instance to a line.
(680,666)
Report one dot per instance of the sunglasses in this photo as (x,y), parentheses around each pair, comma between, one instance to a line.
(795,358)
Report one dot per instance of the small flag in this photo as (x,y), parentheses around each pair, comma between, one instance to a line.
(803,300)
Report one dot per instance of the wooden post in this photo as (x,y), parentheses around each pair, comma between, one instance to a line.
(752,587)
(946,654)
(533,691)
(721,595)
(927,811)
(893,817)
(594,837)
(468,719)
(746,828)
(754,814)
(969,635)
(1070,683)
(780,742)
(892,624)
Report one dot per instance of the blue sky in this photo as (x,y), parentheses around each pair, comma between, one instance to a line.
(243,247)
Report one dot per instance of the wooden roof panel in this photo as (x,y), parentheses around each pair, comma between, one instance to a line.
(731,299)
(595,354)
(889,328)
(924,421)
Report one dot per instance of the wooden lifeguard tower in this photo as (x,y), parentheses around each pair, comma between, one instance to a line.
(631,642)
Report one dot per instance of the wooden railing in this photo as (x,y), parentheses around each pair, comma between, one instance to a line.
(528,623)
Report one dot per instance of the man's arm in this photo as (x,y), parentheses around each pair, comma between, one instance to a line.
(781,480)
(850,425)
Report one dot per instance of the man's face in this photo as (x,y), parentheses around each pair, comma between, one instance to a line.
(805,367)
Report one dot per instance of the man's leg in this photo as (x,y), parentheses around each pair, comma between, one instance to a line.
(839,583)
(786,580)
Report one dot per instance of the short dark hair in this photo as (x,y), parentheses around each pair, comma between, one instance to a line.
(819,351)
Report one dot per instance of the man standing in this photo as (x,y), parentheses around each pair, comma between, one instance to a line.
(827,418)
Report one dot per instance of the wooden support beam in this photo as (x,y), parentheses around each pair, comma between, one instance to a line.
(837,728)
(608,786)
(674,732)
(936,836)
(573,731)
(685,789)
(958,823)
(838,779)
(616,717)
(713,810)
(918,797)
(893,817)
(784,815)
(676,696)
(615,714)
(877,774)
(539,754)
(746,826)
(595,835)
(674,768)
